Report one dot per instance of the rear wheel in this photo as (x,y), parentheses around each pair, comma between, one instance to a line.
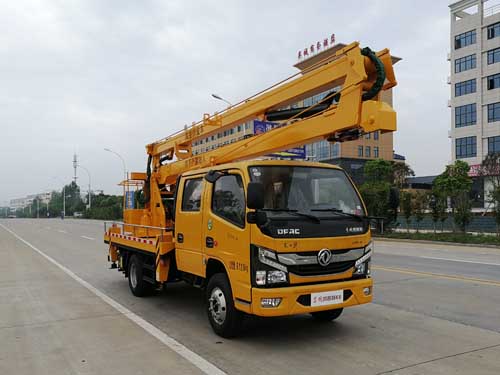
(327,316)
(225,320)
(137,285)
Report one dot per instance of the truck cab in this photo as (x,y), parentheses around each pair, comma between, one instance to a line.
(273,238)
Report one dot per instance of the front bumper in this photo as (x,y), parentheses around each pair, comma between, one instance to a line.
(295,298)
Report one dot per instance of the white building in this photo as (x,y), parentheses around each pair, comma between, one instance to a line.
(475,81)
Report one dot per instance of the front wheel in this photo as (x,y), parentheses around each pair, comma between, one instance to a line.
(224,318)
(327,316)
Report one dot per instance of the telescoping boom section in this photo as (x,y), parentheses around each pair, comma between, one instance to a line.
(210,208)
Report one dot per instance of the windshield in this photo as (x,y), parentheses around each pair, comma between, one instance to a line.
(307,189)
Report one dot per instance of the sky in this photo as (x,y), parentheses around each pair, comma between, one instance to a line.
(84,75)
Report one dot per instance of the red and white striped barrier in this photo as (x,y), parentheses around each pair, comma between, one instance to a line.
(132,238)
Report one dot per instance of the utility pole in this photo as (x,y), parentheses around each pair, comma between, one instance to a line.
(75,166)
(88,173)
(37,207)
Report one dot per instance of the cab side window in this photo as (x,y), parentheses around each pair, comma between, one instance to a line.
(228,199)
(191,195)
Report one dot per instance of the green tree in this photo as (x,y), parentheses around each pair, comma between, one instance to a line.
(455,183)
(490,171)
(437,204)
(420,205)
(463,213)
(400,172)
(106,207)
(378,170)
(407,207)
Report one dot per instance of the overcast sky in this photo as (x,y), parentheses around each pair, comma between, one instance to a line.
(82,75)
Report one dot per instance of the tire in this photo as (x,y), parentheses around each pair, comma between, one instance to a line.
(225,320)
(138,286)
(327,315)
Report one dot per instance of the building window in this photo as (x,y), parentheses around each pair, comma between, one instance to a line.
(239,128)
(494,30)
(360,151)
(494,56)
(335,150)
(375,152)
(493,144)
(493,81)
(465,115)
(375,135)
(465,147)
(368,136)
(494,112)
(465,39)
(465,87)
(465,63)
(367,151)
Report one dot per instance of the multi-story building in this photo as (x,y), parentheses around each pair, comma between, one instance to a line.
(350,155)
(475,83)
(26,201)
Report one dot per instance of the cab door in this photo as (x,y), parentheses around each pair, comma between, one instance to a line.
(226,236)
(188,225)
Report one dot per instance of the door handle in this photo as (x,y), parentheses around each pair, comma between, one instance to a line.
(180,238)
(209,242)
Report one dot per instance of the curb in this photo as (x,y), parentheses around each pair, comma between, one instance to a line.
(436,242)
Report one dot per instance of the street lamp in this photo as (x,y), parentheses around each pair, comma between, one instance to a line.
(125,174)
(215,96)
(88,173)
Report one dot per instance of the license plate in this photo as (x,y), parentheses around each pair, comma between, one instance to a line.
(327,298)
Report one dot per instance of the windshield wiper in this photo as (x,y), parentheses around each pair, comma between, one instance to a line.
(294,212)
(340,212)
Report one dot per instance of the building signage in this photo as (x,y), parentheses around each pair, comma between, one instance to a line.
(260,127)
(317,47)
(474,170)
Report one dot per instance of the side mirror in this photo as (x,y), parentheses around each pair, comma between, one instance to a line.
(213,176)
(255,195)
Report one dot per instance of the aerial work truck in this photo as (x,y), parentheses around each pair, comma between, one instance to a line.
(261,236)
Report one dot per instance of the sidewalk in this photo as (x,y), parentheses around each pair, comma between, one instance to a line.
(50,324)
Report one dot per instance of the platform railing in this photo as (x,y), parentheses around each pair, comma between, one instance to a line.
(136,230)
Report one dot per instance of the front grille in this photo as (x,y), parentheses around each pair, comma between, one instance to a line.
(318,270)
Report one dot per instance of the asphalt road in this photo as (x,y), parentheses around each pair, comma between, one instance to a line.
(436,311)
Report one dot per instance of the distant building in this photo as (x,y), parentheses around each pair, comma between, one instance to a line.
(20,203)
(475,85)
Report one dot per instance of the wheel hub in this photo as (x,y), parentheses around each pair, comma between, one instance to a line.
(133,275)
(217,306)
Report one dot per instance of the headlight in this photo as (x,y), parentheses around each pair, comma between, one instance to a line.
(274,277)
(362,265)
(269,257)
(266,269)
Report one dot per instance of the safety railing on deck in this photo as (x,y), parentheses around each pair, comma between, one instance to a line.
(135,230)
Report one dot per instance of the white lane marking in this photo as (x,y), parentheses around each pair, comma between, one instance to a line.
(61,231)
(88,238)
(461,260)
(198,361)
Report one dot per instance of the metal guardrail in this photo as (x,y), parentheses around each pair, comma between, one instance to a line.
(137,230)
